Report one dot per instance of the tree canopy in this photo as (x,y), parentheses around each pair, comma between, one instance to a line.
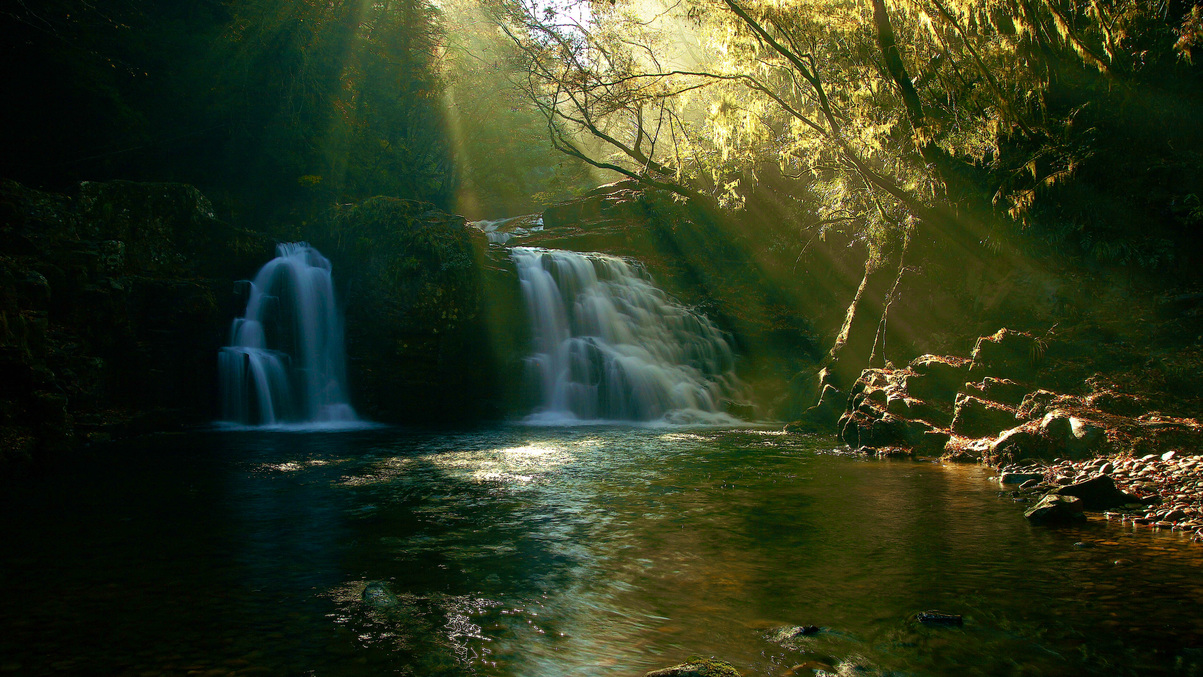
(1072,119)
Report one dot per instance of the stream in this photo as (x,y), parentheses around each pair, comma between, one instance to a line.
(550,551)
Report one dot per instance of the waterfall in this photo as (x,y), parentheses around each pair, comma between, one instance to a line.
(286,360)
(609,345)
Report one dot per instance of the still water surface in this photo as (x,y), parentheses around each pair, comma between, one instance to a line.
(566,551)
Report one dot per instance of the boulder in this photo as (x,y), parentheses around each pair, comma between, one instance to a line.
(1000,390)
(415,326)
(936,377)
(1097,493)
(1006,354)
(907,407)
(975,417)
(1076,436)
(1036,404)
(1120,404)
(1017,444)
(1021,478)
(1054,509)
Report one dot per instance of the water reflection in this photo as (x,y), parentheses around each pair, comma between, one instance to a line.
(535,551)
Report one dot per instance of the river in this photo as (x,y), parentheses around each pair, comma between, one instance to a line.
(550,551)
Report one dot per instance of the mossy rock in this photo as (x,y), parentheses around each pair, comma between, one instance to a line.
(698,667)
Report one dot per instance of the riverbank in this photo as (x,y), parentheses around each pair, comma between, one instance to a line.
(1166,490)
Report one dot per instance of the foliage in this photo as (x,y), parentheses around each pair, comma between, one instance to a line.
(975,119)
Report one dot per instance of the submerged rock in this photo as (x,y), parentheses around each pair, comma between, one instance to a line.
(698,667)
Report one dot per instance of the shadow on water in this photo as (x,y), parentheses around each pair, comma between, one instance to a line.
(582,551)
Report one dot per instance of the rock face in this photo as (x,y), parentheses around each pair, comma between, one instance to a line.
(417,347)
(113,303)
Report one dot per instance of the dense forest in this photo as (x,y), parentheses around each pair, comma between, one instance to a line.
(886,178)
(1074,125)
(580,327)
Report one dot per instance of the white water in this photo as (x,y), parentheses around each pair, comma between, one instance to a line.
(286,362)
(609,345)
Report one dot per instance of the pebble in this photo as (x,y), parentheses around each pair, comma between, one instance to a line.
(1170,485)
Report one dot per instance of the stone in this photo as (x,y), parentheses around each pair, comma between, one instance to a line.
(1120,404)
(1007,354)
(1168,455)
(1097,493)
(936,378)
(974,417)
(1086,436)
(1018,478)
(1057,426)
(1016,444)
(1054,509)
(1035,404)
(1000,390)
(703,667)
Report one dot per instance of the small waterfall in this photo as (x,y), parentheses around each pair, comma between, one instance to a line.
(610,345)
(286,360)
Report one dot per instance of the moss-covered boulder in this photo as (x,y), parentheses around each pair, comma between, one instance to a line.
(417,345)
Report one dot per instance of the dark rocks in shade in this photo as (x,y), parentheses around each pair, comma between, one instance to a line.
(1000,390)
(697,667)
(936,377)
(112,309)
(939,618)
(1054,509)
(822,415)
(974,417)
(1097,493)
(1017,444)
(1074,435)
(1035,404)
(1020,478)
(1007,354)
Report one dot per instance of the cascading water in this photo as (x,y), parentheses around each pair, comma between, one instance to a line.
(610,345)
(286,361)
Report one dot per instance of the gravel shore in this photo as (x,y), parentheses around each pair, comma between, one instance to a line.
(1168,487)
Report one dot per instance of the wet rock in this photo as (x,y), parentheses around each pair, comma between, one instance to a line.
(828,409)
(962,450)
(1053,509)
(705,667)
(931,442)
(1097,493)
(1010,478)
(378,595)
(974,417)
